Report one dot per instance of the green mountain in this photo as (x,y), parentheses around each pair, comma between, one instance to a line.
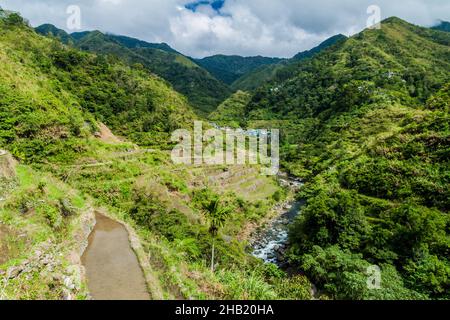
(133,43)
(61,169)
(231,112)
(231,68)
(49,29)
(443,26)
(324,45)
(364,123)
(53,95)
(204,92)
(367,126)
(75,35)
(256,78)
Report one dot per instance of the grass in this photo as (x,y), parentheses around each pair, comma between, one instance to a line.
(51,97)
(34,214)
(176,253)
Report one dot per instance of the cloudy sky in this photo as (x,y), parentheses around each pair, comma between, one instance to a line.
(245,27)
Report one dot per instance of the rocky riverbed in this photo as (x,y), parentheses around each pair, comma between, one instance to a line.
(271,243)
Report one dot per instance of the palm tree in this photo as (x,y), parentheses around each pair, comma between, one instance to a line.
(217,215)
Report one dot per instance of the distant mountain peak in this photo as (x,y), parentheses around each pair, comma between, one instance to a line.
(47,28)
(393,19)
(325,44)
(442,26)
(230,68)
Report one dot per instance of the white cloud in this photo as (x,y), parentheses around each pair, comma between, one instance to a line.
(245,27)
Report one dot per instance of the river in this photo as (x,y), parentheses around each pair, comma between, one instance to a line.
(270,243)
(113,271)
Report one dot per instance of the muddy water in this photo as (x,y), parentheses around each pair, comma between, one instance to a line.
(112,268)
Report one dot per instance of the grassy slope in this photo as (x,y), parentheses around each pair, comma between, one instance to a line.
(367,126)
(42,218)
(231,112)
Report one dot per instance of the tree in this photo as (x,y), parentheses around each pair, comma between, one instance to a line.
(14,19)
(217,215)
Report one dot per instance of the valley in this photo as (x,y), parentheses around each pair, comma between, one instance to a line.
(92,206)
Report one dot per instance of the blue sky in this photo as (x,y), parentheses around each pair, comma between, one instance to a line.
(246,27)
(214,4)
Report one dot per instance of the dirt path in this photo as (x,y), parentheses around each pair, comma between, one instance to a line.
(112,268)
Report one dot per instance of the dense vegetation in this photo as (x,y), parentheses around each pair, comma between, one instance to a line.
(443,26)
(52,100)
(231,113)
(49,29)
(322,46)
(52,96)
(367,125)
(258,76)
(365,122)
(231,68)
(203,91)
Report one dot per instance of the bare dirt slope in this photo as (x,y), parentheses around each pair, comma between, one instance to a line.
(7,165)
(106,135)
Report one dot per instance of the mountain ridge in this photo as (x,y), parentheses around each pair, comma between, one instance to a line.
(79,85)
(230,68)
(262,74)
(366,127)
(442,26)
(204,91)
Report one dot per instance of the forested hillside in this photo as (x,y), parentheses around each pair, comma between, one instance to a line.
(56,92)
(367,126)
(231,68)
(60,166)
(257,77)
(49,29)
(231,113)
(364,124)
(204,91)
